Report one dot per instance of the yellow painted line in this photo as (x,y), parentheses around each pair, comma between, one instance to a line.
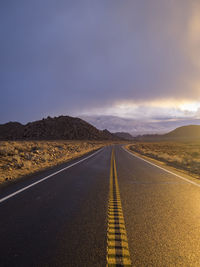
(120,222)
(118,231)
(117,243)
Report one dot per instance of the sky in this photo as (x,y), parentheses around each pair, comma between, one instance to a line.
(131,61)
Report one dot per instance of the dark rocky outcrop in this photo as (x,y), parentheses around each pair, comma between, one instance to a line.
(62,127)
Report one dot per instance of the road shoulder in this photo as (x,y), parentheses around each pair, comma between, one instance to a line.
(164,166)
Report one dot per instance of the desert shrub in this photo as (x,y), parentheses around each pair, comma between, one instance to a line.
(34,148)
(195,154)
(27,164)
(3,152)
(23,157)
(184,156)
(16,158)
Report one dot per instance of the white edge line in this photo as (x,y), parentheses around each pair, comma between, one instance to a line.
(47,177)
(179,176)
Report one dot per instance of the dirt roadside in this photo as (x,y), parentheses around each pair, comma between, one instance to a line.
(163,164)
(20,158)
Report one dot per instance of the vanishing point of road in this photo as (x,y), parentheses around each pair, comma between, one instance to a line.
(108,208)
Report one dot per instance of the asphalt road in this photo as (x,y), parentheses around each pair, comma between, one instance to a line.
(63,220)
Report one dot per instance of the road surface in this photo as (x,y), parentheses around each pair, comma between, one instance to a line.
(105,208)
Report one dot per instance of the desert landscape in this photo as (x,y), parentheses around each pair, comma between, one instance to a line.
(19,158)
(25,149)
(184,156)
(100,133)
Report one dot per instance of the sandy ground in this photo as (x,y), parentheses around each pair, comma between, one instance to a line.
(19,158)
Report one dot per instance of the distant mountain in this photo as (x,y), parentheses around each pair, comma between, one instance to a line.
(136,126)
(124,135)
(183,133)
(63,127)
(189,131)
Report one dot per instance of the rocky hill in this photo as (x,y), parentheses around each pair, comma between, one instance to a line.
(124,135)
(63,127)
(183,133)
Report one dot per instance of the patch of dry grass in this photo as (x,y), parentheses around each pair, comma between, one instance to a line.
(19,158)
(183,156)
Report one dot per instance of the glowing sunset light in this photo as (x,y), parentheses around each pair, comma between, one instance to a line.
(190,106)
(137,59)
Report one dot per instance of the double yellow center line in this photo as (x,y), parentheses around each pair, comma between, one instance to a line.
(117,243)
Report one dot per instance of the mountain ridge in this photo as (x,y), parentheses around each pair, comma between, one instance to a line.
(187,132)
(192,131)
(124,135)
(62,127)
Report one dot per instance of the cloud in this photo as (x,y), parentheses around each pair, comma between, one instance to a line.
(71,57)
(151,111)
(136,127)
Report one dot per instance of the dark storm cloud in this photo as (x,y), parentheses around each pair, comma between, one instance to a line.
(69,56)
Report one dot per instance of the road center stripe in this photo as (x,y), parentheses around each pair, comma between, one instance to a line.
(117,243)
